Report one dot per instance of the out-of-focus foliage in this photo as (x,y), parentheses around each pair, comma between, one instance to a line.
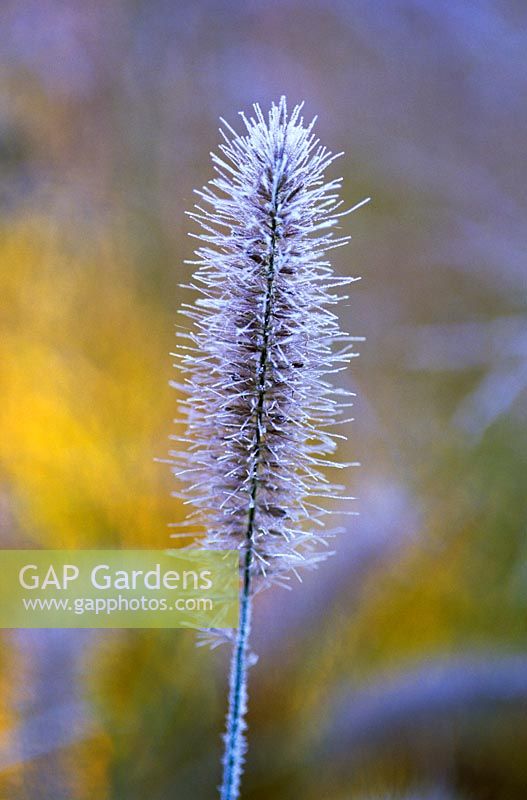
(82,403)
(108,112)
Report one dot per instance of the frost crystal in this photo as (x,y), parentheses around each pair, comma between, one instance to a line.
(264,346)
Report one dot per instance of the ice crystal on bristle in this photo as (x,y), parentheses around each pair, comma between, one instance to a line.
(263,349)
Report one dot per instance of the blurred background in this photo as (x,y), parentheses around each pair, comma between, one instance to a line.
(399,669)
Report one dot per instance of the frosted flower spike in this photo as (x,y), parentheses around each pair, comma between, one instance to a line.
(259,402)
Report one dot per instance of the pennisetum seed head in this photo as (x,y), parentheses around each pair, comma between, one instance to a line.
(263,348)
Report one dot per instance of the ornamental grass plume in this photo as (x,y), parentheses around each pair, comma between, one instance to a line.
(259,404)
